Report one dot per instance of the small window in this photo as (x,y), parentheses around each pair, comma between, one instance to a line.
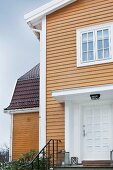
(94,45)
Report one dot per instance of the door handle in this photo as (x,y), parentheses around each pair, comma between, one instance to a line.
(84,132)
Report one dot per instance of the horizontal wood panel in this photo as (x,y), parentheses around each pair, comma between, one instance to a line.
(69,31)
(81,79)
(70,45)
(60,63)
(55,130)
(80,9)
(57,112)
(59,39)
(85,68)
(73,28)
(69,50)
(104,4)
(83,74)
(93,83)
(63,57)
(79,69)
(55,136)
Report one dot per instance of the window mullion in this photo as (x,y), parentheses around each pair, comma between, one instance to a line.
(95,45)
(110,42)
(81,52)
(87,48)
(103,43)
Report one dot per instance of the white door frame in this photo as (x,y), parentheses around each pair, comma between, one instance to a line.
(73,128)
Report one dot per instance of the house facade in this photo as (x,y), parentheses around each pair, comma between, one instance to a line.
(76,67)
(24,111)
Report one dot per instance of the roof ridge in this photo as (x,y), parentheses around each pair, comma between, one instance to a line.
(34,73)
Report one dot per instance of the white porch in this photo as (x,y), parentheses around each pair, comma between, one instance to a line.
(88,123)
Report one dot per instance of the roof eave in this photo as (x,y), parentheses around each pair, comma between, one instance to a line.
(26,110)
(36,15)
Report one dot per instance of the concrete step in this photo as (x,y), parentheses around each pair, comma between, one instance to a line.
(83,168)
(99,163)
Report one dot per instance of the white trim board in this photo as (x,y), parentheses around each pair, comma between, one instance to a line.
(11,139)
(42,121)
(39,13)
(27,110)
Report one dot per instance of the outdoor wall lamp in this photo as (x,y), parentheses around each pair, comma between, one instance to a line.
(95,96)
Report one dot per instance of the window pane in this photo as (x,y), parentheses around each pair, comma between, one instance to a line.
(99,34)
(84,37)
(106,53)
(106,43)
(84,57)
(90,46)
(100,54)
(99,44)
(90,56)
(90,36)
(106,33)
(84,47)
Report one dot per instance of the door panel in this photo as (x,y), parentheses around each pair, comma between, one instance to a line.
(97,129)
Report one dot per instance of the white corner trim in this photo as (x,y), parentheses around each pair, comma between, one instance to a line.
(82,90)
(42,121)
(27,110)
(11,139)
(46,9)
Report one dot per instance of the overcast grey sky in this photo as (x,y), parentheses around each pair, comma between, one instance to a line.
(19,52)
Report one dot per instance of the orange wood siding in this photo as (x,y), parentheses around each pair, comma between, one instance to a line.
(25,133)
(62,71)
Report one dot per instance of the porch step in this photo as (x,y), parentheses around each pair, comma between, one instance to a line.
(99,163)
(89,165)
(84,168)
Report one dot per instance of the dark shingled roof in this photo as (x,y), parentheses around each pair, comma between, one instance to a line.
(26,93)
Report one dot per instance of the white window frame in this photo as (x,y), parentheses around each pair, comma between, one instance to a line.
(79,32)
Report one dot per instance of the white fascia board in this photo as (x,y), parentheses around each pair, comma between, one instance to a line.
(46,9)
(91,89)
(28,110)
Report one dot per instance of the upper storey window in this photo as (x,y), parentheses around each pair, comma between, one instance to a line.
(94,45)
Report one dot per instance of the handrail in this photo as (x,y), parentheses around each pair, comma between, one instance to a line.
(40,152)
(49,155)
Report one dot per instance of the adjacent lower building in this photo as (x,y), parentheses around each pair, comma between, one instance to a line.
(24,111)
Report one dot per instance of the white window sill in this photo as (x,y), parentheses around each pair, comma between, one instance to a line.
(94,63)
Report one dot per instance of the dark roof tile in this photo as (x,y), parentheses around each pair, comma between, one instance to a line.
(26,93)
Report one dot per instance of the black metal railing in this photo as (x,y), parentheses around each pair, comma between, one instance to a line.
(48,157)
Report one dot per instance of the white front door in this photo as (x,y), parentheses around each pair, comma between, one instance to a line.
(97,132)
